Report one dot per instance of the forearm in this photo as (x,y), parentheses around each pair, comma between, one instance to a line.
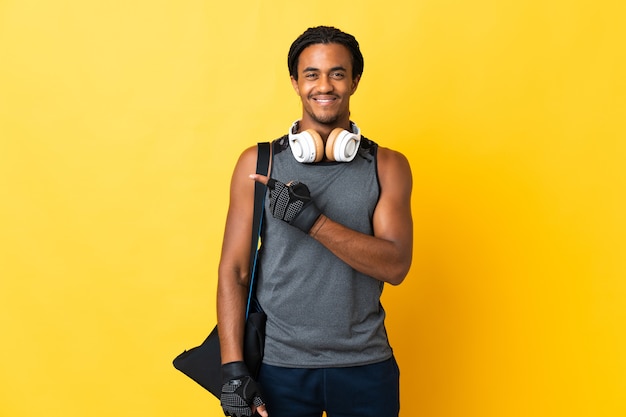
(232,295)
(379,258)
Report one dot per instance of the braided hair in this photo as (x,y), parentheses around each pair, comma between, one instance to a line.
(325,35)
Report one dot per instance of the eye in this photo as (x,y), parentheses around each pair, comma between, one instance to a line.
(337,75)
(310,76)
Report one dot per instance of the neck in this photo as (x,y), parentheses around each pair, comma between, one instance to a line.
(323,129)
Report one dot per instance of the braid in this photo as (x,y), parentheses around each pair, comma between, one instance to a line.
(326,35)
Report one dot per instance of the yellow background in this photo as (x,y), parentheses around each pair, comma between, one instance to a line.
(121,120)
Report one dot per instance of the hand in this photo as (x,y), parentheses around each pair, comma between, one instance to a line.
(241,395)
(291,203)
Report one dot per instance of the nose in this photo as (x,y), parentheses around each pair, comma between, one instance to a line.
(324,84)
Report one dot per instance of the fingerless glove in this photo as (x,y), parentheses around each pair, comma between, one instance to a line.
(293,204)
(239,390)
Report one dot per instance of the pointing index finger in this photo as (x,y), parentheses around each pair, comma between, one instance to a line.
(263,180)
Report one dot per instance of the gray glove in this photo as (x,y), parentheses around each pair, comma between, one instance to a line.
(292,203)
(239,390)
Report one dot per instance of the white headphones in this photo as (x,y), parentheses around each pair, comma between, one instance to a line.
(308,146)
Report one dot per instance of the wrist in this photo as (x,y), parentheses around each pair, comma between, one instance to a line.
(307,217)
(234,370)
(317,225)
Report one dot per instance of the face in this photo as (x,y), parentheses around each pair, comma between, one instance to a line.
(325,85)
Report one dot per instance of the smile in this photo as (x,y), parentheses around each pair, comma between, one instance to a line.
(324,100)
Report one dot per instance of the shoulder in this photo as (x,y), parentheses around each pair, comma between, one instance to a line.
(392,166)
(247,159)
(247,162)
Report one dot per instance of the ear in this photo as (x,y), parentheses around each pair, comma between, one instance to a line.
(294,83)
(355,84)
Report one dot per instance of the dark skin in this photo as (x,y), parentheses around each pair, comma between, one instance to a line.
(325,85)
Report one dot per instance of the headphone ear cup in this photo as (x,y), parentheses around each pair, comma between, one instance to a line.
(318,144)
(307,146)
(330,143)
(342,145)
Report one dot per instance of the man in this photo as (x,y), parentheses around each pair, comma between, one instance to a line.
(337,226)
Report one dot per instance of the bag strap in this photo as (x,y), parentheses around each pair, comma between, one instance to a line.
(262,167)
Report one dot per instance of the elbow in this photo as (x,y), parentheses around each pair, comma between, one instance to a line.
(396,282)
(233,275)
(397,274)
(396,279)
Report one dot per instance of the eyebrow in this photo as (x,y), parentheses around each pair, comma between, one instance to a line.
(313,69)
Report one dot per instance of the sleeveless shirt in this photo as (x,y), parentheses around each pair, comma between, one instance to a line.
(320,311)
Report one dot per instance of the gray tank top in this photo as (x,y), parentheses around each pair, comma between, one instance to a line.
(321,312)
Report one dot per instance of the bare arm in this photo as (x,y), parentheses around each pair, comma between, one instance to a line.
(234,267)
(387,254)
